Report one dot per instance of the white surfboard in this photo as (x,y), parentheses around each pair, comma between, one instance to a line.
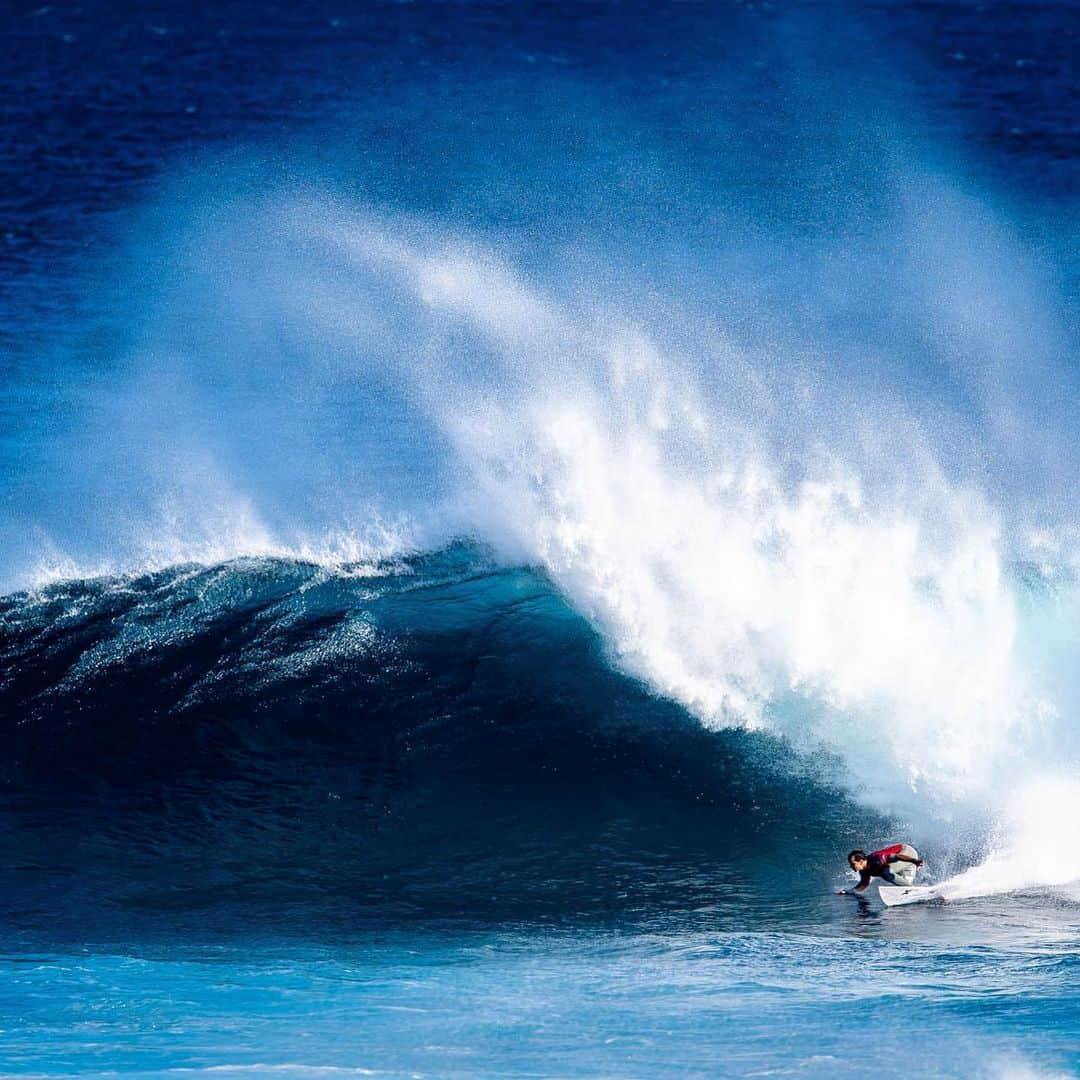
(894,895)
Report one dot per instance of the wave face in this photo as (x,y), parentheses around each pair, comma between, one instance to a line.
(430,737)
(757,408)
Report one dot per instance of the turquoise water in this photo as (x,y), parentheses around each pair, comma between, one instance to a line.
(526,1001)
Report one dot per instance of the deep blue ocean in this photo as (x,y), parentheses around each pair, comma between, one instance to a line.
(497,499)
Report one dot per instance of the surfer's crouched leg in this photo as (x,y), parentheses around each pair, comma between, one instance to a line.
(903,873)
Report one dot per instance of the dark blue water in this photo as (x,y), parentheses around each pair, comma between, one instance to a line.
(497,500)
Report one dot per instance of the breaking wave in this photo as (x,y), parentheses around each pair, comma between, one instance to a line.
(838,525)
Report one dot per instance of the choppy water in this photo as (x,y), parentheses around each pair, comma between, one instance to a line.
(498,500)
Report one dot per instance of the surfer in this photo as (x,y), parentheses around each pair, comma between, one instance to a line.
(877,864)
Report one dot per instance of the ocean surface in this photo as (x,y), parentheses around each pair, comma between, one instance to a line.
(496,500)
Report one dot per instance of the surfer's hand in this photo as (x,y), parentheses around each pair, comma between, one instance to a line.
(918,862)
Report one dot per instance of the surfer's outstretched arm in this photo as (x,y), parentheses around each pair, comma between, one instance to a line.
(864,880)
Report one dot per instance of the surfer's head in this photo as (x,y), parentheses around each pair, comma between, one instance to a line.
(857,859)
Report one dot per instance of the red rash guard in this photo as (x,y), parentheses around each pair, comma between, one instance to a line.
(877,864)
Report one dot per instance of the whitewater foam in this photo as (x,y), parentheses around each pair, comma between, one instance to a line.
(1034,841)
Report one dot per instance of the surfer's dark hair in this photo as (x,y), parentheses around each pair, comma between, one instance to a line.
(858,853)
